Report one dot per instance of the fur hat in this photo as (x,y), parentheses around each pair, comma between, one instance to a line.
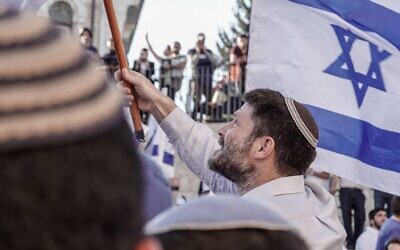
(49,88)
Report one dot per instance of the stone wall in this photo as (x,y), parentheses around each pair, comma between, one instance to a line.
(78,13)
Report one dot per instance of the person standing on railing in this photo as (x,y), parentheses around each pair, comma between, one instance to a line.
(178,64)
(146,68)
(238,62)
(86,39)
(110,59)
(165,67)
(143,65)
(203,64)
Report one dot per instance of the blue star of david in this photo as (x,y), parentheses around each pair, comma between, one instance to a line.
(343,66)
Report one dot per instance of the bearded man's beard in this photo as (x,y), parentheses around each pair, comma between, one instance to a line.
(377,225)
(231,163)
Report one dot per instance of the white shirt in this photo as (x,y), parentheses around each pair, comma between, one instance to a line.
(368,239)
(320,181)
(307,206)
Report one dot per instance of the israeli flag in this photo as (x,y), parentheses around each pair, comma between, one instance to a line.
(341,58)
(159,148)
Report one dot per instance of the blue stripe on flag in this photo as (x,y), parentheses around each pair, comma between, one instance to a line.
(363,14)
(168,158)
(358,139)
(155,150)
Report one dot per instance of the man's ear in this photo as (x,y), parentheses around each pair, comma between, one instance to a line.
(264,147)
(148,243)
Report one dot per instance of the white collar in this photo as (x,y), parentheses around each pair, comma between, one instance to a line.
(372,230)
(283,185)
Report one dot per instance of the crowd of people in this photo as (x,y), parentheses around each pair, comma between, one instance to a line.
(213,100)
(73,178)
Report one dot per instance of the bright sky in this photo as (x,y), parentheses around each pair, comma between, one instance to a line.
(170,20)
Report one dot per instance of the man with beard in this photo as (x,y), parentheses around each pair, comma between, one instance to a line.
(369,237)
(262,155)
(391,228)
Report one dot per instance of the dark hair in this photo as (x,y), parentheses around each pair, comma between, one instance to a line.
(396,205)
(395,240)
(293,152)
(144,50)
(374,211)
(82,194)
(87,30)
(201,35)
(237,239)
(244,36)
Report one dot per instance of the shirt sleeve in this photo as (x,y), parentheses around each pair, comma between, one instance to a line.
(195,144)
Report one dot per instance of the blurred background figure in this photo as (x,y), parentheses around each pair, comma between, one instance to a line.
(165,67)
(110,59)
(219,101)
(368,239)
(382,199)
(203,63)
(223,222)
(352,204)
(143,65)
(178,197)
(86,37)
(238,61)
(165,70)
(178,64)
(391,228)
(393,244)
(146,68)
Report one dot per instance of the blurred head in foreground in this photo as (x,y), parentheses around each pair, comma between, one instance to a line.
(69,175)
(223,222)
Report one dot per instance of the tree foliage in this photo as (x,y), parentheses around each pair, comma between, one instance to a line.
(241,26)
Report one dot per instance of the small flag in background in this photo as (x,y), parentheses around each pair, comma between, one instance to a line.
(341,58)
(159,148)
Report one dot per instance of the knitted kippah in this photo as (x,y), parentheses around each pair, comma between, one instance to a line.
(304,121)
(49,88)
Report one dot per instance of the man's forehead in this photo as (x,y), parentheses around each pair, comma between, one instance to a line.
(244,116)
(382,212)
(245,110)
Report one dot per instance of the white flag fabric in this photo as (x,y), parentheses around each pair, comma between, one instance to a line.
(341,58)
(159,148)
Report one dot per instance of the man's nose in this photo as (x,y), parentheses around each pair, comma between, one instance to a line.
(223,129)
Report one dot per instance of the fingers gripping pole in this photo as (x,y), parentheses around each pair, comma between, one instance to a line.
(119,47)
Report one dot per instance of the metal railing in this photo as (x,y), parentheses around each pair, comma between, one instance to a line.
(206,98)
